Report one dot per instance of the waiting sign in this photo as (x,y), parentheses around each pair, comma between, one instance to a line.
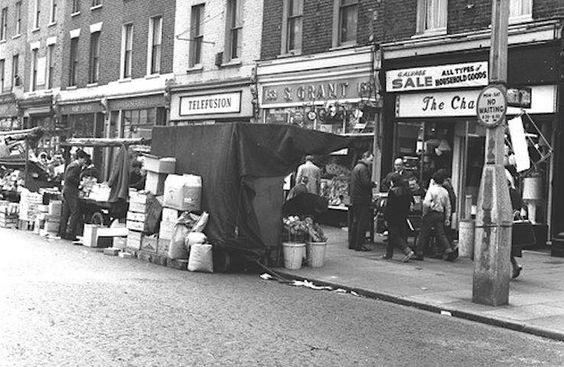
(474,74)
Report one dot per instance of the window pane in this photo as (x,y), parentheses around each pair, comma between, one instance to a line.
(348,23)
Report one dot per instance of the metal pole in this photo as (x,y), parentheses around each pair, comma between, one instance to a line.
(493,218)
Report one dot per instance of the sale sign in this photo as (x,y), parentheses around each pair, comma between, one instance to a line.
(467,75)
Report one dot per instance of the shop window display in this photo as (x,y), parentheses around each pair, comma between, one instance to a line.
(353,119)
(425,147)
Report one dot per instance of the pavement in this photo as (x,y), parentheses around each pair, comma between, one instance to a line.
(536,297)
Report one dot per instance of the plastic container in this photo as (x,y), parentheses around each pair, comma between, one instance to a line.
(293,255)
(316,254)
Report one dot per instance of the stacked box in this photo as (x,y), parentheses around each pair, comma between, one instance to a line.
(29,203)
(166,230)
(136,214)
(157,171)
(154,183)
(149,244)
(53,217)
(134,239)
(8,214)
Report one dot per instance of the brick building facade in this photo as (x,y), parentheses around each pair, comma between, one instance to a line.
(215,50)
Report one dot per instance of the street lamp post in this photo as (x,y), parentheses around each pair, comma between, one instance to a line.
(493,215)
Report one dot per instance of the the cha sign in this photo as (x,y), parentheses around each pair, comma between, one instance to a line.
(491,106)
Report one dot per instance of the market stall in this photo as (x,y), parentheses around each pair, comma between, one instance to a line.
(242,167)
(100,202)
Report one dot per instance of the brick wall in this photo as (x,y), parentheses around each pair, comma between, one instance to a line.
(13,46)
(213,30)
(317,26)
(463,16)
(113,15)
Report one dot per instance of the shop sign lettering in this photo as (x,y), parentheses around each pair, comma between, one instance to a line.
(438,77)
(210,104)
(317,91)
(437,104)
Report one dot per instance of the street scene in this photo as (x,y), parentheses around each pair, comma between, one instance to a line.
(66,305)
(282,182)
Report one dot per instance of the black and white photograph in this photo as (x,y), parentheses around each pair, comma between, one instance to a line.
(281,183)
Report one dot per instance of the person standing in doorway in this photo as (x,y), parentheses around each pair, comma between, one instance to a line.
(399,168)
(436,214)
(361,198)
(71,208)
(313,174)
(395,214)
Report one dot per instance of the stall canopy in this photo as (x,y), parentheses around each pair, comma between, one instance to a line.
(229,157)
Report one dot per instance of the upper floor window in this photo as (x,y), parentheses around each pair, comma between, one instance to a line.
(292,26)
(34,66)
(50,65)
(53,11)
(94,66)
(75,6)
(19,17)
(15,71)
(96,3)
(520,10)
(73,69)
(2,71)
(196,34)
(346,14)
(432,16)
(37,14)
(4,24)
(155,40)
(126,50)
(234,29)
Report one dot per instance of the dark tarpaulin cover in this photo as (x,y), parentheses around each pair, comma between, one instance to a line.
(228,157)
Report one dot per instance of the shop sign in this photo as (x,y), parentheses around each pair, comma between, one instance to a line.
(353,88)
(437,104)
(519,97)
(81,108)
(491,106)
(467,75)
(210,104)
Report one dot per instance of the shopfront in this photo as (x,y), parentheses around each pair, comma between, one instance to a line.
(434,126)
(9,119)
(212,102)
(333,92)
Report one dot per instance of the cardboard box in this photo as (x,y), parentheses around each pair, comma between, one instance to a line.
(137,207)
(163,246)
(166,230)
(149,244)
(134,225)
(170,215)
(183,192)
(159,165)
(138,217)
(134,240)
(137,197)
(155,182)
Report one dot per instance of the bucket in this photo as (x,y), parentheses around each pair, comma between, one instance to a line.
(466,238)
(316,254)
(293,254)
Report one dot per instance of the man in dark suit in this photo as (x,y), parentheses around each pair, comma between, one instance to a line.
(361,198)
(71,208)
(399,168)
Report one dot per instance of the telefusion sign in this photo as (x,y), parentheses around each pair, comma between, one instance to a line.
(467,75)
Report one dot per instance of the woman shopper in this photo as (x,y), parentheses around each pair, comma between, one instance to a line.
(395,214)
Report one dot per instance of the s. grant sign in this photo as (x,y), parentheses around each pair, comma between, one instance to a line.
(352,88)
(467,75)
(210,104)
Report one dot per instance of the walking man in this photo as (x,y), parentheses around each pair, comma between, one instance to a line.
(71,207)
(400,170)
(436,215)
(395,214)
(313,174)
(361,198)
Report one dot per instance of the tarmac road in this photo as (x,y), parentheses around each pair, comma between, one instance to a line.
(65,305)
